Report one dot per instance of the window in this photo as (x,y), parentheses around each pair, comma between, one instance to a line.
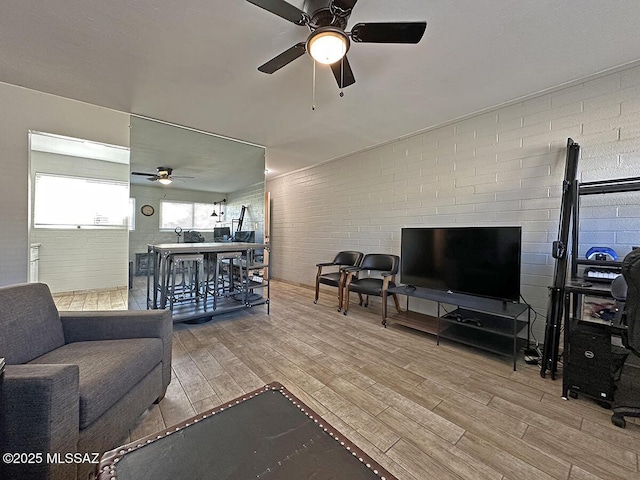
(72,202)
(186,215)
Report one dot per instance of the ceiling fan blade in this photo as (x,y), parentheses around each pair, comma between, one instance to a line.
(284,58)
(345,5)
(398,32)
(153,179)
(144,174)
(343,73)
(282,9)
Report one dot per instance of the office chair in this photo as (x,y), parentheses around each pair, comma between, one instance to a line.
(386,265)
(336,279)
(618,354)
(627,400)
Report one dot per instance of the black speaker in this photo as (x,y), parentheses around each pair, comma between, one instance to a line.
(590,361)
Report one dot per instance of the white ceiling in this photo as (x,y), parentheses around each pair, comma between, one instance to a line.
(199,161)
(194,63)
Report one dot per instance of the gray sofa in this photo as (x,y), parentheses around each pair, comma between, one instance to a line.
(75,382)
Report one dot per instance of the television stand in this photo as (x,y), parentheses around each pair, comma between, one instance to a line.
(484,323)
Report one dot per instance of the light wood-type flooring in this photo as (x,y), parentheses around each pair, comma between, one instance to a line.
(108,299)
(422,411)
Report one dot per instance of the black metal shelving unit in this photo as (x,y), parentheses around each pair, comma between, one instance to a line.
(579,189)
(595,188)
(488,324)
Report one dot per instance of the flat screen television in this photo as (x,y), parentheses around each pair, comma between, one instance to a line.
(483,261)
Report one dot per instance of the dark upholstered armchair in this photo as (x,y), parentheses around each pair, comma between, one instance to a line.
(336,278)
(386,266)
(75,382)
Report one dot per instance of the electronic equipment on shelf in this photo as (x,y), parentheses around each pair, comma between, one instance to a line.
(601,274)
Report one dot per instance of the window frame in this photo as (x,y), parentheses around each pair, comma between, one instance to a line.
(161,219)
(37,222)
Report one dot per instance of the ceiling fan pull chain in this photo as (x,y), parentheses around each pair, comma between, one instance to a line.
(313,88)
(342,77)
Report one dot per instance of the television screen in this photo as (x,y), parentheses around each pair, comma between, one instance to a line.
(482,261)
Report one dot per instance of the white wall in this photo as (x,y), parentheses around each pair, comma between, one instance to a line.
(24,110)
(503,167)
(80,259)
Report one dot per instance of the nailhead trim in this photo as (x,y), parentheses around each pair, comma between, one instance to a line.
(111,468)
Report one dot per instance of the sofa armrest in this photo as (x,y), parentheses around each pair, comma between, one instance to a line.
(115,325)
(121,324)
(40,414)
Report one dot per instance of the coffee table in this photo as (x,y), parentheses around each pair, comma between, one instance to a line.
(266,434)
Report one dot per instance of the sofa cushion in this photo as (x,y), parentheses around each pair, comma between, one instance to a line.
(29,322)
(108,370)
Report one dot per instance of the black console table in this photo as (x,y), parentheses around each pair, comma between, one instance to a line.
(485,323)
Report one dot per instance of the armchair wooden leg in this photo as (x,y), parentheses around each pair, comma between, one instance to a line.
(384,307)
(341,285)
(346,293)
(317,285)
(397,302)
(345,304)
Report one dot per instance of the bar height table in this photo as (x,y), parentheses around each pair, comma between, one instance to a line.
(159,255)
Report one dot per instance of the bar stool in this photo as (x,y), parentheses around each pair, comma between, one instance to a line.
(225,281)
(189,289)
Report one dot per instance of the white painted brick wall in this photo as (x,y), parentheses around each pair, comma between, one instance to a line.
(503,167)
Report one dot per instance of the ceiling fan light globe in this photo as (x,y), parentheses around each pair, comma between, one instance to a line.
(164,181)
(328,46)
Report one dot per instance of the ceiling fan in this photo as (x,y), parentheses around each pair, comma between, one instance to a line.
(163,176)
(328,41)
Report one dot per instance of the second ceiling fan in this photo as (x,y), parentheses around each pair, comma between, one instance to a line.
(328,41)
(164,175)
